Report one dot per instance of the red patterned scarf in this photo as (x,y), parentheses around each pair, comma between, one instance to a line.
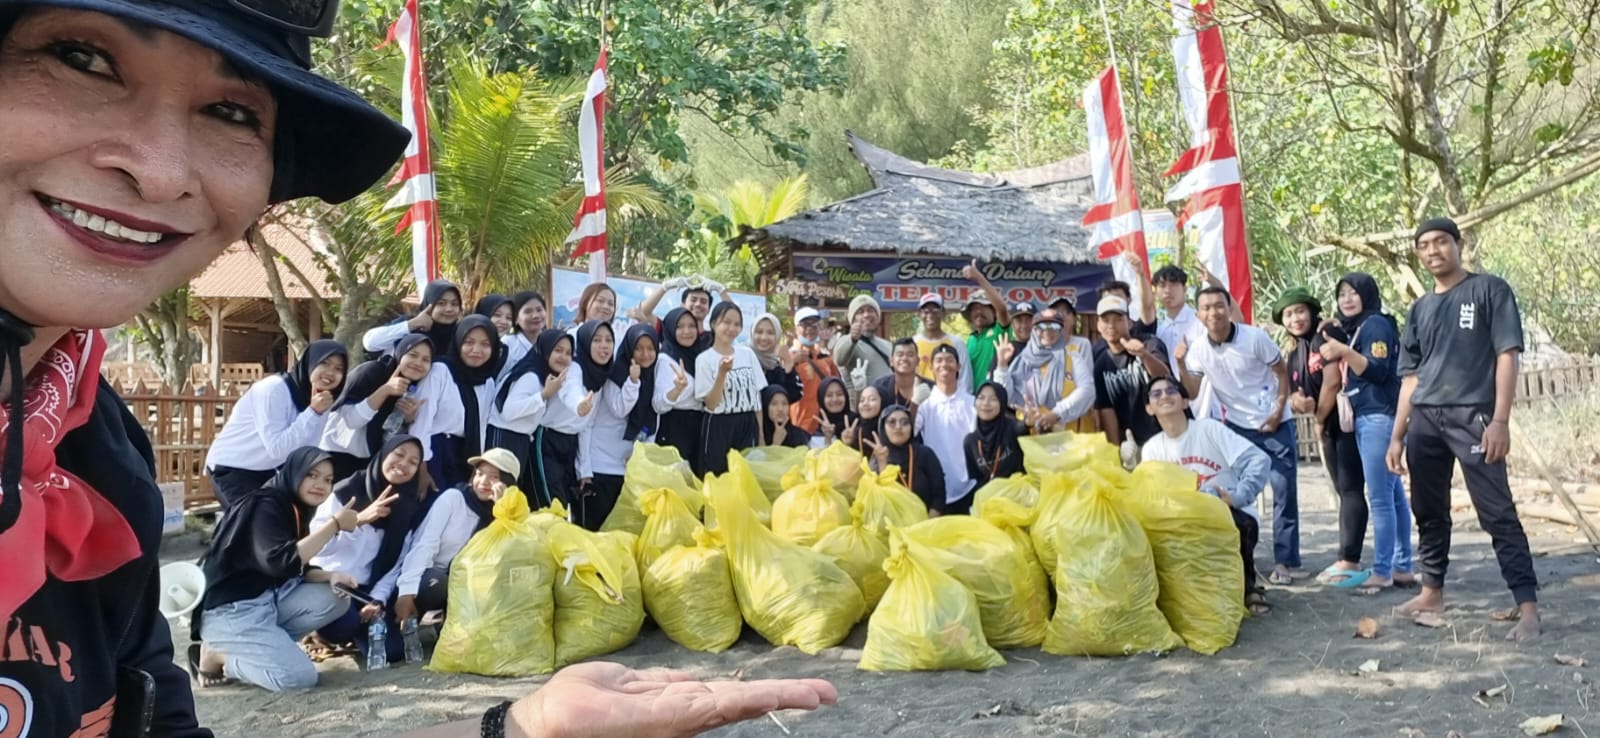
(65,529)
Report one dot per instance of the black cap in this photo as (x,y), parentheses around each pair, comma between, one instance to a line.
(330,142)
(1437,224)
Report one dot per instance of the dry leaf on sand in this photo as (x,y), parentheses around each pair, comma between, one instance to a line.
(1566,660)
(1542,724)
(1367,628)
(1483,695)
(1370,666)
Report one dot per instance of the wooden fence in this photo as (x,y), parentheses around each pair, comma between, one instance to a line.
(181,423)
(1558,380)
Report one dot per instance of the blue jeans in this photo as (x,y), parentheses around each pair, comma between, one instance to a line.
(259,635)
(1386,498)
(1280,447)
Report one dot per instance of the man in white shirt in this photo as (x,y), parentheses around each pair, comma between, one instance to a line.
(1175,320)
(1250,383)
(943,421)
(1230,468)
(930,309)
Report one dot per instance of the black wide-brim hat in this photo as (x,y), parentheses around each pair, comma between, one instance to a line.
(330,143)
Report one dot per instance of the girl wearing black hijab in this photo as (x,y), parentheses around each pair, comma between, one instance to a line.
(776,430)
(262,595)
(834,415)
(625,415)
(397,393)
(992,450)
(473,363)
(521,402)
(436,318)
(563,469)
(498,309)
(920,470)
(371,554)
(1369,354)
(275,416)
(682,414)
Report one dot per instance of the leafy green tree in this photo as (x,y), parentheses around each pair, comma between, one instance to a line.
(719,217)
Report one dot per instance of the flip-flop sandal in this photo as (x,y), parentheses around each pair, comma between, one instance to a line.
(201,679)
(1282,579)
(1257,604)
(1345,579)
(1375,590)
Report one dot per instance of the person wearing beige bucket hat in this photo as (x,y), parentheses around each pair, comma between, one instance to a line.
(138,140)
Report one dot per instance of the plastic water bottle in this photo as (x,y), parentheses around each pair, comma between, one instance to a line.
(377,644)
(408,631)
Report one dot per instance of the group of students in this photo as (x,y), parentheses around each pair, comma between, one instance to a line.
(344,473)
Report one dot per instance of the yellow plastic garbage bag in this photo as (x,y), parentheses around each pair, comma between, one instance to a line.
(860,551)
(1106,585)
(689,593)
(1196,547)
(1013,593)
(791,595)
(545,517)
(838,465)
(667,525)
(770,463)
(652,467)
(1020,488)
(1054,488)
(750,486)
(883,501)
(502,613)
(806,513)
(928,621)
(599,600)
(1013,519)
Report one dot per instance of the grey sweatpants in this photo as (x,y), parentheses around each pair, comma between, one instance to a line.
(260,636)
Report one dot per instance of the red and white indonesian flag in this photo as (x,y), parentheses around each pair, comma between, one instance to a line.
(1210,168)
(415,176)
(589,228)
(1116,223)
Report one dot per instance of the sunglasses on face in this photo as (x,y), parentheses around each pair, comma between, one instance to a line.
(304,17)
(1157,393)
(1047,327)
(897,421)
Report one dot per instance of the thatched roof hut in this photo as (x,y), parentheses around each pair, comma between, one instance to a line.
(915,208)
(918,210)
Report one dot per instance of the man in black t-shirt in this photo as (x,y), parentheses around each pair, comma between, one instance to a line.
(1123,370)
(1458,357)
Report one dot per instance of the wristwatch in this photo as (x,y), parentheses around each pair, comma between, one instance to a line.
(494,721)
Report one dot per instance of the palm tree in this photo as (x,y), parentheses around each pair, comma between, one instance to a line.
(722,216)
(507,172)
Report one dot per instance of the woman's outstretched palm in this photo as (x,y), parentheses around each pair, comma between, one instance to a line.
(610,700)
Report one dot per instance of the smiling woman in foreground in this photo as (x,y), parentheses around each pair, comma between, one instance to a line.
(137,140)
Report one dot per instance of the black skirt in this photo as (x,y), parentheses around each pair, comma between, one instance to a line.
(230,484)
(680,429)
(598,501)
(521,446)
(724,433)
(555,461)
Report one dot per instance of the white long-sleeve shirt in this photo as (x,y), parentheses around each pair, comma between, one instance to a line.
(450,523)
(517,346)
(485,393)
(666,377)
(609,452)
(944,421)
(264,427)
(350,552)
(441,412)
(524,406)
(382,338)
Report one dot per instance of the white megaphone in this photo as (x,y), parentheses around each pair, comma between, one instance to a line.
(182,585)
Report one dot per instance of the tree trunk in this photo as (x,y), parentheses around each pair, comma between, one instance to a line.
(164,328)
(280,301)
